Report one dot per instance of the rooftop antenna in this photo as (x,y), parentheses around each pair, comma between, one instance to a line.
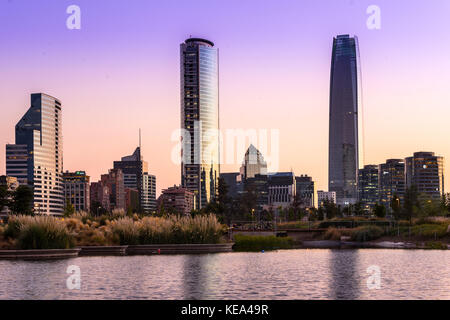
(140,150)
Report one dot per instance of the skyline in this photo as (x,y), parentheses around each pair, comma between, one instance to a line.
(299,64)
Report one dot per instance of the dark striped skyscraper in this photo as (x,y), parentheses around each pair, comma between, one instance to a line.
(200,119)
(345,145)
(37,157)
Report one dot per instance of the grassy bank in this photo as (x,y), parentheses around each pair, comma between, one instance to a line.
(259,243)
(43,232)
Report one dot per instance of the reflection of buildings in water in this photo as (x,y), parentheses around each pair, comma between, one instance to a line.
(195,277)
(344,278)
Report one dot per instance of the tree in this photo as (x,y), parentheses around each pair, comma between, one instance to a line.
(379,210)
(4,197)
(69,209)
(411,204)
(22,200)
(395,206)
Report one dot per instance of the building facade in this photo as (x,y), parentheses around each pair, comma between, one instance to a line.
(345,156)
(368,187)
(425,171)
(281,187)
(323,196)
(391,181)
(177,198)
(100,197)
(305,191)
(200,169)
(114,183)
(76,190)
(36,158)
(234,184)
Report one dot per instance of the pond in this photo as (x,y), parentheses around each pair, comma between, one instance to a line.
(284,274)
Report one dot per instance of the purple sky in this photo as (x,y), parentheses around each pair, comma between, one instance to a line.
(121,72)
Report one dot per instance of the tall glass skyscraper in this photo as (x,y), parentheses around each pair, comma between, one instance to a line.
(200,119)
(345,146)
(37,157)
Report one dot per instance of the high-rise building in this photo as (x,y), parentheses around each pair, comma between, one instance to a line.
(135,171)
(391,181)
(305,191)
(177,198)
(253,164)
(345,156)
(36,159)
(76,190)
(148,195)
(425,171)
(368,187)
(200,119)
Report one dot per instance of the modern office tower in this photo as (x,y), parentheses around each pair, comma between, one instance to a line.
(177,198)
(135,171)
(425,171)
(235,186)
(391,181)
(76,190)
(323,196)
(36,159)
(253,164)
(11,184)
(305,191)
(281,189)
(114,181)
(200,119)
(368,187)
(345,156)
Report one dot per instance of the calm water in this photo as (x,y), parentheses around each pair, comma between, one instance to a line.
(286,274)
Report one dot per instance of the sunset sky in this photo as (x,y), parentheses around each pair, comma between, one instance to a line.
(120,72)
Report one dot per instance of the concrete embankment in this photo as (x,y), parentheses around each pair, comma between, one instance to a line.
(179,248)
(39,254)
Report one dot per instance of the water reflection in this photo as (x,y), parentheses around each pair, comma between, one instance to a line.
(345,282)
(195,279)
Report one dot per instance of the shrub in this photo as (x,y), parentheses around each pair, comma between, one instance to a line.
(258,243)
(366,233)
(171,230)
(436,245)
(44,232)
(15,223)
(126,230)
(333,234)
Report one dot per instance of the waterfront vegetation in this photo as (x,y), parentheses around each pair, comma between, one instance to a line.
(259,243)
(81,229)
(119,228)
